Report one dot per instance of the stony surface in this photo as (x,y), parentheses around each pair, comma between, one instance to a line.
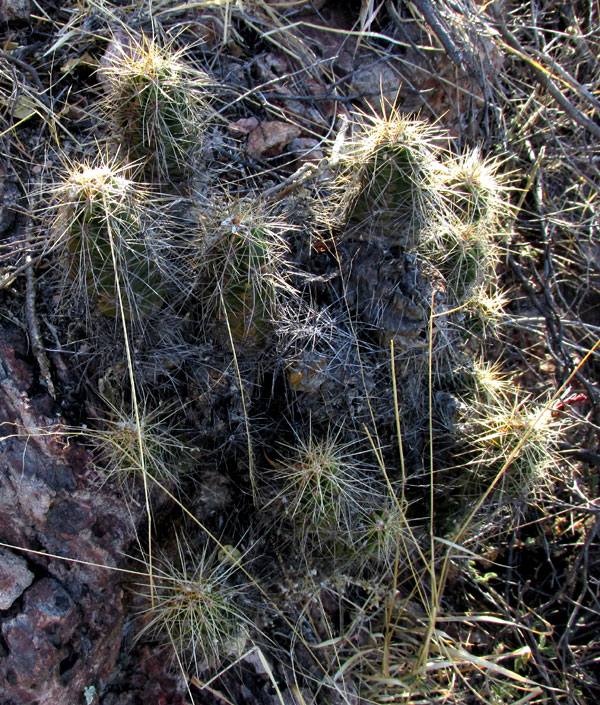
(270,138)
(15,576)
(243,126)
(14,10)
(62,630)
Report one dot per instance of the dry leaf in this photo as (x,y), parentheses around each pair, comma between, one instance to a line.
(84,59)
(24,107)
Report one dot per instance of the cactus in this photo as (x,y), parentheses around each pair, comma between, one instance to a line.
(387,177)
(154,105)
(473,189)
(100,227)
(197,603)
(465,255)
(240,254)
(379,534)
(494,426)
(321,488)
(125,449)
(463,244)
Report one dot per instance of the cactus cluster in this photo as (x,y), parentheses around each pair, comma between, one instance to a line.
(283,337)
(127,446)
(496,426)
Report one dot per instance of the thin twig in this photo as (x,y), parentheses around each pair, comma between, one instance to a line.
(513,44)
(441,30)
(24,66)
(33,324)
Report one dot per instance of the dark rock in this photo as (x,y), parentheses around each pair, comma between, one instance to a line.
(67,633)
(12,351)
(36,640)
(68,518)
(14,10)
(14,578)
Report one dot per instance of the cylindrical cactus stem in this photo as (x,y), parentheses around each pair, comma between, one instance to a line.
(155,105)
(101,226)
(240,253)
(386,178)
(473,190)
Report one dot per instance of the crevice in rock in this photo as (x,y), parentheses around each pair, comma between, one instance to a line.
(65,668)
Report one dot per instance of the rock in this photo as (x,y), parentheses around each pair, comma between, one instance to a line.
(336,47)
(306,149)
(328,108)
(376,81)
(14,10)
(272,65)
(14,578)
(270,138)
(66,634)
(208,29)
(37,640)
